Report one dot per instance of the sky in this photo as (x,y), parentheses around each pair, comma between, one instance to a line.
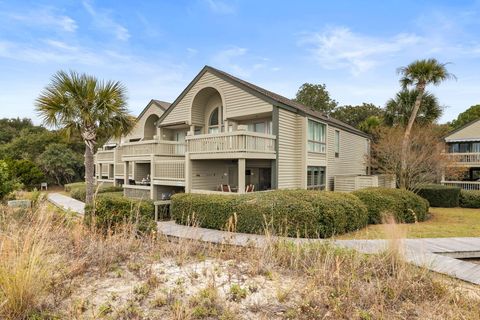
(157,47)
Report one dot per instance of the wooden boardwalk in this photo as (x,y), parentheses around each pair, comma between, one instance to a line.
(436,254)
(67,203)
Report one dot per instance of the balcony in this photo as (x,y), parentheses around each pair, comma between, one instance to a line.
(464,159)
(238,144)
(146,149)
(464,185)
(169,172)
(104,156)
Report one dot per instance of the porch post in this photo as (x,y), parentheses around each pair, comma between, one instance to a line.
(152,173)
(100,171)
(188,173)
(114,167)
(126,178)
(241,175)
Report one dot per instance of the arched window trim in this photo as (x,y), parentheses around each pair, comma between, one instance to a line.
(214,128)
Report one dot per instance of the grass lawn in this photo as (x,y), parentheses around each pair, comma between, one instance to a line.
(443,223)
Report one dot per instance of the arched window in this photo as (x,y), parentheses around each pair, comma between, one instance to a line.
(213,123)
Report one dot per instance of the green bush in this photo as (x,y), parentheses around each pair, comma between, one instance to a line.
(440,196)
(80,192)
(284,212)
(112,210)
(470,199)
(404,205)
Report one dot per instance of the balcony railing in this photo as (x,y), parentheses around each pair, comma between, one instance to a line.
(169,169)
(104,155)
(239,141)
(119,167)
(153,147)
(464,158)
(464,185)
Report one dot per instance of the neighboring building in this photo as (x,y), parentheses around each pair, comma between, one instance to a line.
(463,152)
(223,132)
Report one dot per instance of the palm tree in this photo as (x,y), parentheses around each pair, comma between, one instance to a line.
(81,104)
(399,109)
(419,74)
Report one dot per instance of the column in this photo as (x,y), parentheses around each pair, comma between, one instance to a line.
(188,173)
(152,173)
(126,178)
(241,175)
(100,169)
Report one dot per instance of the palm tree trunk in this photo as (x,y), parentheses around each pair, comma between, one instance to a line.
(89,175)
(406,137)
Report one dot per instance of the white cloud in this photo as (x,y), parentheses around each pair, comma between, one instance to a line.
(45,17)
(339,47)
(220,7)
(229,59)
(104,21)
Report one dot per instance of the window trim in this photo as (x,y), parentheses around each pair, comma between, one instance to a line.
(336,142)
(322,144)
(215,126)
(322,183)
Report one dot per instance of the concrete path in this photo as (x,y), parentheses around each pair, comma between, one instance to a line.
(437,254)
(66,203)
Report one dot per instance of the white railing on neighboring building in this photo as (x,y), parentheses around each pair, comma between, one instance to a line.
(238,141)
(464,158)
(153,147)
(465,185)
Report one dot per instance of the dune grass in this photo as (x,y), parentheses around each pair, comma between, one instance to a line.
(443,223)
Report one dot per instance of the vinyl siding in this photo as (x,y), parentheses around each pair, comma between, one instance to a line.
(208,174)
(237,101)
(138,129)
(352,156)
(470,132)
(289,150)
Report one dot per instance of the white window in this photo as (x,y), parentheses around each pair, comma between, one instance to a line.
(316,178)
(316,136)
(213,123)
(337,143)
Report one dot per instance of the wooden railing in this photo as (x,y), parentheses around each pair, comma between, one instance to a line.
(239,141)
(169,169)
(464,158)
(153,147)
(104,155)
(119,167)
(465,185)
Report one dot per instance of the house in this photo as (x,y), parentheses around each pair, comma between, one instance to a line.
(225,134)
(463,155)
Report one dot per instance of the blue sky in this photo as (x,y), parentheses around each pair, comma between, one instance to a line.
(157,47)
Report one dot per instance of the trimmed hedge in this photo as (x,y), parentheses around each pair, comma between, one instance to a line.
(112,209)
(470,199)
(404,205)
(440,196)
(80,192)
(301,213)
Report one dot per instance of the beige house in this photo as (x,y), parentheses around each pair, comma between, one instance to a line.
(223,134)
(463,151)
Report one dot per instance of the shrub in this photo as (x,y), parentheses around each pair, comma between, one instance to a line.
(404,205)
(112,210)
(80,192)
(7,183)
(284,212)
(440,196)
(470,199)
(26,172)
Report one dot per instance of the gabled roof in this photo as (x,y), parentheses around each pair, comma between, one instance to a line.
(162,105)
(268,96)
(461,128)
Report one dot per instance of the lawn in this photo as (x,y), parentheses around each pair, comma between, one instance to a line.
(443,223)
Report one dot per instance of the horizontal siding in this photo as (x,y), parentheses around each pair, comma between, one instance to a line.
(237,101)
(207,175)
(470,132)
(317,159)
(138,129)
(289,150)
(352,157)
